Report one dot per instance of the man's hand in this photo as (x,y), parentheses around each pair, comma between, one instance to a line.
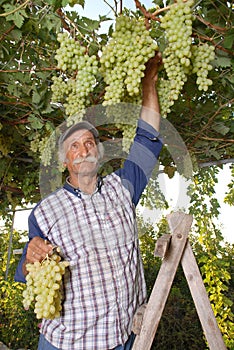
(151,71)
(150,104)
(37,250)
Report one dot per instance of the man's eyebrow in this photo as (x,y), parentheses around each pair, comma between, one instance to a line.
(90,138)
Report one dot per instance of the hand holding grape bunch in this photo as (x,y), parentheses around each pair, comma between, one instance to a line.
(45,270)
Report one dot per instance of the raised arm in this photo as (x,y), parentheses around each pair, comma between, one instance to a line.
(150,104)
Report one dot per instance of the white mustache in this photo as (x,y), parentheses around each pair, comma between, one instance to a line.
(90,159)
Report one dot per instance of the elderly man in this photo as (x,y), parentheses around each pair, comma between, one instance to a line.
(92,220)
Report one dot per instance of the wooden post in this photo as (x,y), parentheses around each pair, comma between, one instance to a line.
(201,300)
(180,225)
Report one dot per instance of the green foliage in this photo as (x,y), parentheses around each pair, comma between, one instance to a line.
(229,198)
(214,262)
(19,328)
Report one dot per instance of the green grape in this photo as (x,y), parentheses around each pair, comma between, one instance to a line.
(177,24)
(43,286)
(178,30)
(59,89)
(122,65)
(123,59)
(129,132)
(202,55)
(164,93)
(73,86)
(181,56)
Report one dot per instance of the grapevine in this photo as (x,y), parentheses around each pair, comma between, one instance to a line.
(43,287)
(122,65)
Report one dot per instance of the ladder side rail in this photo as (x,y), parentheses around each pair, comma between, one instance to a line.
(180,225)
(201,300)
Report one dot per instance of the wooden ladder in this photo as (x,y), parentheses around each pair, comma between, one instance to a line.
(173,249)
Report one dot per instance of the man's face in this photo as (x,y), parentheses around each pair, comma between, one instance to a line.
(81,153)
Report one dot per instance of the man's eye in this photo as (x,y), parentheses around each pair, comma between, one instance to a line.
(74,146)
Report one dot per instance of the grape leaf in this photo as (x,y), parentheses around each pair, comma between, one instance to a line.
(228,41)
(16,18)
(89,24)
(222,61)
(35,122)
(220,128)
(36,98)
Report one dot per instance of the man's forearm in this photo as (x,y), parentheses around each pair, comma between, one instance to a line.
(150,106)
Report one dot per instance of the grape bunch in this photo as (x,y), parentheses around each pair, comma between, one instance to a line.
(45,145)
(44,286)
(129,132)
(202,55)
(73,86)
(178,30)
(123,59)
(177,24)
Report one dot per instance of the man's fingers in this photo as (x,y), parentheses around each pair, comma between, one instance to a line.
(38,249)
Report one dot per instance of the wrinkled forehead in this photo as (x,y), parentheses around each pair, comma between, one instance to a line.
(78,136)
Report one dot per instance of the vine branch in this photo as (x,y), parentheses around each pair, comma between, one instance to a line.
(112,8)
(206,38)
(208,24)
(216,139)
(28,70)
(7,32)
(211,120)
(216,162)
(148,15)
(64,18)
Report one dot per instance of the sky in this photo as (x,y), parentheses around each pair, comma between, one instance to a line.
(101,8)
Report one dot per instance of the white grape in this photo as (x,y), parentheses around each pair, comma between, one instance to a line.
(123,59)
(177,24)
(78,77)
(43,286)
(202,55)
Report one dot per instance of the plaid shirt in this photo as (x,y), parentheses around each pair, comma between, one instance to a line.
(97,234)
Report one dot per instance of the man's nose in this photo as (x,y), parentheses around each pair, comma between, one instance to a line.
(83,151)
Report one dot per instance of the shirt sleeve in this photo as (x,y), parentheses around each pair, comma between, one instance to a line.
(141,160)
(34,231)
